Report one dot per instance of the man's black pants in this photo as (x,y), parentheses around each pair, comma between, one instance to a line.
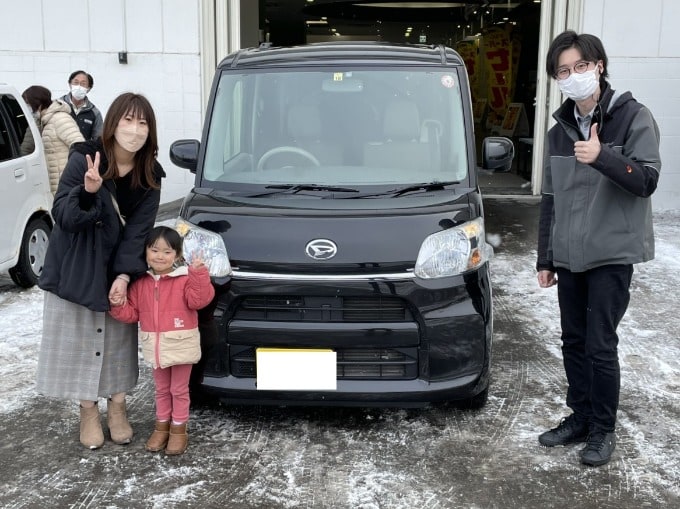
(592,304)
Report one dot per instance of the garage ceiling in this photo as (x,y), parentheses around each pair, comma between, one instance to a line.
(438,21)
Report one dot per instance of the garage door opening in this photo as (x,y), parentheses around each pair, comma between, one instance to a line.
(498,41)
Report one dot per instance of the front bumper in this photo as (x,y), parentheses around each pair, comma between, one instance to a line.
(399,342)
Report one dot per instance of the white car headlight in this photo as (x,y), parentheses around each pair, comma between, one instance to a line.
(209,244)
(453,251)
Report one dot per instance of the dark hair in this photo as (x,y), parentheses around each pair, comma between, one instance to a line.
(138,106)
(170,236)
(37,97)
(90,79)
(588,45)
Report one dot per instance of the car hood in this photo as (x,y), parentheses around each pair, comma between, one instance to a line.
(381,238)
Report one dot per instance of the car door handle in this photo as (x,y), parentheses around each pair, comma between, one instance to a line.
(19,173)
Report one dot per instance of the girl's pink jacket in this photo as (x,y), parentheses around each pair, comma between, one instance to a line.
(165,307)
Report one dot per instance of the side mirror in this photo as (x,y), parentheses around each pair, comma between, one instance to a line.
(497,153)
(184,153)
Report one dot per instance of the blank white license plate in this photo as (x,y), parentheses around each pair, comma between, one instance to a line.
(289,369)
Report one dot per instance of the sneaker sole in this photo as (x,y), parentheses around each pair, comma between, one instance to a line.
(562,444)
(595,463)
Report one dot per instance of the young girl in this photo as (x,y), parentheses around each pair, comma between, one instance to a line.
(165,302)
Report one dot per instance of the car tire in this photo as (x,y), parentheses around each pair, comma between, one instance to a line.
(32,253)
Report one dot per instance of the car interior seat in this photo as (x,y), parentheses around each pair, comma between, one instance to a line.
(401,146)
(304,126)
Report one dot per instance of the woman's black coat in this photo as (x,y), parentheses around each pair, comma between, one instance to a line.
(89,246)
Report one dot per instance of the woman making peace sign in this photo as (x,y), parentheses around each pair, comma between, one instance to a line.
(105,206)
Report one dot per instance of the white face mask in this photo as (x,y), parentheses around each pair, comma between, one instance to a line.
(78,92)
(579,86)
(131,138)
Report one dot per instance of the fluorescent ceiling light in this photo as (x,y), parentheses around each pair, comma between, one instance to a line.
(415,5)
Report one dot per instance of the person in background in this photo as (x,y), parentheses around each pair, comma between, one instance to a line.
(165,303)
(59,130)
(602,165)
(86,114)
(105,206)
(28,142)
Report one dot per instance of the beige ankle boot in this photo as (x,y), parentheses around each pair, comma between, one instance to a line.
(91,434)
(179,440)
(119,427)
(159,438)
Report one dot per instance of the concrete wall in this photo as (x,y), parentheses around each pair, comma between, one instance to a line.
(642,40)
(42,42)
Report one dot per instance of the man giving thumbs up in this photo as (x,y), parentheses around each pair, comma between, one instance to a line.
(586,152)
(602,165)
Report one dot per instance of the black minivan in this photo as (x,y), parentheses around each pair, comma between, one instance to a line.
(336,199)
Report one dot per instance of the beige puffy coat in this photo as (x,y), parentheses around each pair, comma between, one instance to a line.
(59,131)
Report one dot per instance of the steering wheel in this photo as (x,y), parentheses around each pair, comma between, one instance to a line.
(283,150)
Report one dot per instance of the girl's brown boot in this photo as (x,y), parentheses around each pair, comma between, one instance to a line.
(159,438)
(91,434)
(179,440)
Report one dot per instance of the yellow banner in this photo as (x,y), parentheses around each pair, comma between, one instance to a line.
(469,51)
(498,61)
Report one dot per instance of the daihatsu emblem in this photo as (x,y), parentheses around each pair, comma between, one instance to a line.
(321,249)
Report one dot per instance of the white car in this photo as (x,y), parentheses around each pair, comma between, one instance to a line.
(25,197)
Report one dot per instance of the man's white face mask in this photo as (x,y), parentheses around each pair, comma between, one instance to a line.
(580,86)
(78,92)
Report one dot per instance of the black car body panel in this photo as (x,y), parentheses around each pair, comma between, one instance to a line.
(344,244)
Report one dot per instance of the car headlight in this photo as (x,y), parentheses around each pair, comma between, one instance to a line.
(453,251)
(209,244)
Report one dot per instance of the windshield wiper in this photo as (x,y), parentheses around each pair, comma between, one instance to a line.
(399,191)
(296,188)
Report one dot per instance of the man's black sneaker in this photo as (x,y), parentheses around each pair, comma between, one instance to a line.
(599,448)
(569,431)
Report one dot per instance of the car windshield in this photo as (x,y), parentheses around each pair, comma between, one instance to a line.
(337,127)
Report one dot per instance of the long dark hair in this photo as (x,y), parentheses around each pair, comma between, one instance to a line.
(138,106)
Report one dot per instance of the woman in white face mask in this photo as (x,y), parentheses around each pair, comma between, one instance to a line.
(86,114)
(595,223)
(104,208)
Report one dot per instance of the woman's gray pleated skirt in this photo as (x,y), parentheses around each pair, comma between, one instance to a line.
(85,354)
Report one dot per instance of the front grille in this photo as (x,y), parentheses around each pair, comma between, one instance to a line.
(323,309)
(352,363)
(376,364)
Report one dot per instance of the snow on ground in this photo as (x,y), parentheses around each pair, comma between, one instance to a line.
(649,353)
(487,458)
(21,312)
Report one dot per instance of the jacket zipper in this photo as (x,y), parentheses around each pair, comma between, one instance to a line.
(156,301)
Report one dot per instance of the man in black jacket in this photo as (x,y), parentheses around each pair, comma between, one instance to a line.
(86,114)
(602,165)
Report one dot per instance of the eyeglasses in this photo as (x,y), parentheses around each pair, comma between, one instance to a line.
(580,67)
